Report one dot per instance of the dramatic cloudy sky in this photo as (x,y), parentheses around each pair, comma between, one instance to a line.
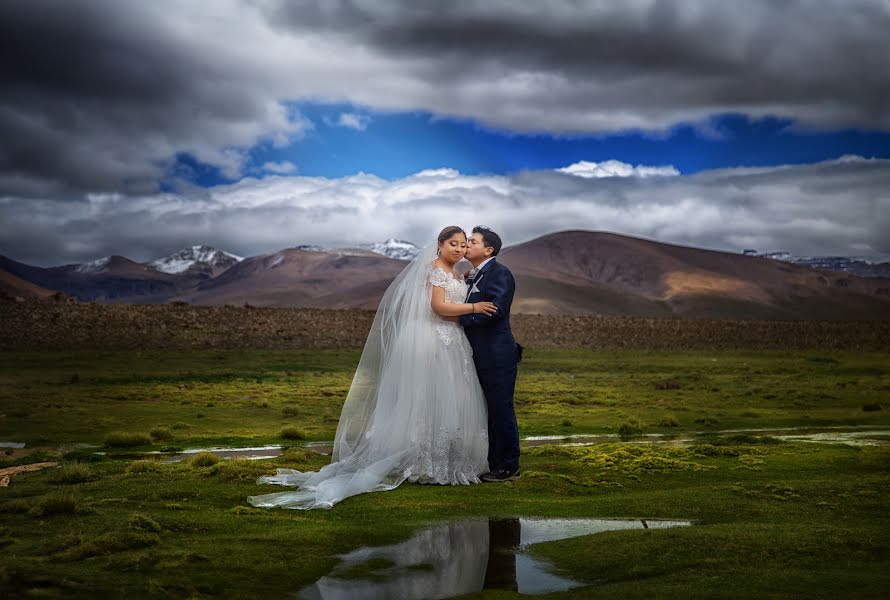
(252,125)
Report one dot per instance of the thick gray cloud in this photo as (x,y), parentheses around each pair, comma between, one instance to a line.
(836,207)
(100,95)
(594,66)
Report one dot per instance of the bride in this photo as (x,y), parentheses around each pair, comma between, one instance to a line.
(415,410)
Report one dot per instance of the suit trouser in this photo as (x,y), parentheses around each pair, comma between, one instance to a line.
(498,384)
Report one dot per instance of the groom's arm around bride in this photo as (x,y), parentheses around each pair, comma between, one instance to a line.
(498,289)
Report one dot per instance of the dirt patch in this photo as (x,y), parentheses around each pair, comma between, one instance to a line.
(679,283)
(6,473)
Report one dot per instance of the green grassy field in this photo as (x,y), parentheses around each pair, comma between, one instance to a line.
(247,396)
(770,519)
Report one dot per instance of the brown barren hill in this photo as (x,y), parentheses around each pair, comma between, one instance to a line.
(114,279)
(594,272)
(301,278)
(15,287)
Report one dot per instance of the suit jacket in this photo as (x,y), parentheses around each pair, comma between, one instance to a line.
(490,335)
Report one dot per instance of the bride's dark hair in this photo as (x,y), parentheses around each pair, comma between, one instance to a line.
(450,231)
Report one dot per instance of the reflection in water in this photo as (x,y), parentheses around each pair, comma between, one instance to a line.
(503,539)
(463,557)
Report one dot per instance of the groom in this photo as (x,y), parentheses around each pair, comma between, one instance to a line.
(495,352)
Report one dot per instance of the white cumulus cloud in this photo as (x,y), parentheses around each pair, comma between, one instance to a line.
(282,167)
(616,168)
(837,207)
(353,121)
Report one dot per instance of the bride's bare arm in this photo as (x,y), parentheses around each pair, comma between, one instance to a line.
(447,309)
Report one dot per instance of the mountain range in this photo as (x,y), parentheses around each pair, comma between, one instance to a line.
(855,265)
(197,258)
(569,272)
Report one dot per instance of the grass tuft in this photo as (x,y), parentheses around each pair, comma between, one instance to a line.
(160,433)
(204,459)
(290,411)
(126,439)
(291,433)
(669,421)
(631,427)
(239,469)
(140,522)
(56,502)
(75,472)
(145,466)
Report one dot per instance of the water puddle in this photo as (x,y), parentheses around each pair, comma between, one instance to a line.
(825,435)
(587,439)
(464,557)
(849,438)
(246,452)
(12,444)
(250,453)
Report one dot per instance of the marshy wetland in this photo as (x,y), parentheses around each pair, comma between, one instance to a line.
(126,504)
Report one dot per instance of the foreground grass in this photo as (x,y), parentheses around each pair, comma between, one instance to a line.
(772,519)
(780,520)
(141,399)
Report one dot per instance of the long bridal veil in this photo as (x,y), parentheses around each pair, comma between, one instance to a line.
(383,418)
(397,354)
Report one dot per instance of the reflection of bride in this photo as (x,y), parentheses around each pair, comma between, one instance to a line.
(415,410)
(441,562)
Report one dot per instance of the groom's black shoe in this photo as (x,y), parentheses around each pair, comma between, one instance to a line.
(500,475)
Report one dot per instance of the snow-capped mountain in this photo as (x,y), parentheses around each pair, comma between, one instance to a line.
(393,248)
(855,265)
(94,266)
(205,256)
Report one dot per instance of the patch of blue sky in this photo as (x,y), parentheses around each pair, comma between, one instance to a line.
(392,145)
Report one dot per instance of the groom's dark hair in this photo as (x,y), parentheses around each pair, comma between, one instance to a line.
(489,238)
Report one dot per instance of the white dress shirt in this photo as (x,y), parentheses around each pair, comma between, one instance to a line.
(476,270)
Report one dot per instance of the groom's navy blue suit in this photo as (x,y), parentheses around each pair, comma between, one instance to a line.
(496,355)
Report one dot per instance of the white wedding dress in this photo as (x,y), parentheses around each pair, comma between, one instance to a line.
(415,410)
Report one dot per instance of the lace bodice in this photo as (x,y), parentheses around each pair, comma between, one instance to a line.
(455,289)
(455,293)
